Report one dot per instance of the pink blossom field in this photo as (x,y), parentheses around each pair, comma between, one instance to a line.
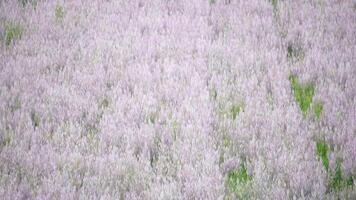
(178,99)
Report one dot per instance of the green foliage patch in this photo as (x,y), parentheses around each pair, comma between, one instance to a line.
(238,176)
(59,13)
(13,32)
(235,110)
(322,152)
(318,109)
(303,93)
(338,181)
(237,183)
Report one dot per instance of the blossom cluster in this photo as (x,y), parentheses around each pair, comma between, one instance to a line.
(163,99)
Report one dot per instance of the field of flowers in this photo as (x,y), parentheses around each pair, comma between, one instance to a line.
(177,99)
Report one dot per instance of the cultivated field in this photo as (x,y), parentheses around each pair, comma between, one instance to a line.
(177,99)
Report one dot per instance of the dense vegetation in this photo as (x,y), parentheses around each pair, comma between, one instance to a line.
(163,99)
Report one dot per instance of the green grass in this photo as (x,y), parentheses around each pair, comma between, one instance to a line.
(318,109)
(237,183)
(238,176)
(349,181)
(13,32)
(59,13)
(337,182)
(322,152)
(235,110)
(303,93)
